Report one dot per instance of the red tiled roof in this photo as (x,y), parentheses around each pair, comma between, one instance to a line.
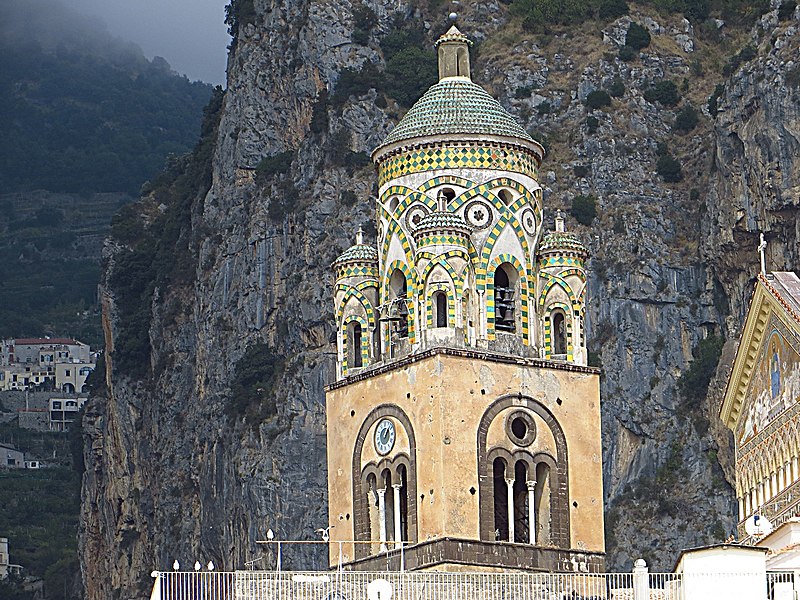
(44,341)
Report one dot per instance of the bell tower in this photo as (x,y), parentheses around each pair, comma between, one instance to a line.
(464,426)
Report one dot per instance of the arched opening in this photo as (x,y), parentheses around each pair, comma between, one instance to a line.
(354,341)
(68,388)
(388,530)
(542,503)
(402,473)
(398,289)
(462,62)
(500,500)
(506,197)
(440,309)
(558,332)
(505,278)
(373,517)
(520,503)
(393,204)
(448,193)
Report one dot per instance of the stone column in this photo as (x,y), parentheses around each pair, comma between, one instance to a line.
(483,324)
(787,470)
(795,470)
(398,531)
(510,487)
(741,508)
(641,581)
(774,485)
(382,517)
(760,494)
(531,511)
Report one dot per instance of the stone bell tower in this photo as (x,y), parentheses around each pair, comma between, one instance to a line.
(464,427)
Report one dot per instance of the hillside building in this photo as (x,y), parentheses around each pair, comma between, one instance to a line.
(6,568)
(464,427)
(11,458)
(45,363)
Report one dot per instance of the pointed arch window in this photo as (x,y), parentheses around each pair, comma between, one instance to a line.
(558,333)
(440,309)
(354,342)
(398,289)
(505,303)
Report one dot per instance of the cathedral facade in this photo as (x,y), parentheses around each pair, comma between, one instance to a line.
(761,406)
(464,425)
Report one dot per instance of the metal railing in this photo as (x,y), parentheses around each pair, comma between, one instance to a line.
(428,585)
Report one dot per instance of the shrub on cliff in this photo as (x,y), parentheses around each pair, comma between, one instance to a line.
(275,164)
(669,168)
(637,37)
(409,73)
(584,209)
(597,99)
(786,10)
(252,393)
(664,92)
(539,15)
(364,20)
(686,119)
(693,382)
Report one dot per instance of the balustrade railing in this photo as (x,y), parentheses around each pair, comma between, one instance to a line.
(428,585)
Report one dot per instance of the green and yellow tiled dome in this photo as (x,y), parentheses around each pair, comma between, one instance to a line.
(456,106)
(561,241)
(357,253)
(441,222)
(358,259)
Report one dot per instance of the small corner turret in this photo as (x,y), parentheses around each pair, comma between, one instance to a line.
(561,295)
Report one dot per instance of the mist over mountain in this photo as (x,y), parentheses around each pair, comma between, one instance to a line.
(85,120)
(81,111)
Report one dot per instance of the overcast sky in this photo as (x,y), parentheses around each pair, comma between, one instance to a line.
(189,34)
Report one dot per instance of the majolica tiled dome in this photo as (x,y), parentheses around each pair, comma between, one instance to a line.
(561,241)
(441,222)
(456,106)
(360,253)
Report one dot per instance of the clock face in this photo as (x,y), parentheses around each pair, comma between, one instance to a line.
(384,437)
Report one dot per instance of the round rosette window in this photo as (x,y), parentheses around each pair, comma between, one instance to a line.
(478,214)
(528,221)
(414,216)
(521,428)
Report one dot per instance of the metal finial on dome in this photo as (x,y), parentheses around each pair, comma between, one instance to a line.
(453,16)
(360,236)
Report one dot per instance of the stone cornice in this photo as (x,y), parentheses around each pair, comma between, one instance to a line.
(461,353)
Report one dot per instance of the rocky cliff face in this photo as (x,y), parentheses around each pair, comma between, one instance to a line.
(174,472)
